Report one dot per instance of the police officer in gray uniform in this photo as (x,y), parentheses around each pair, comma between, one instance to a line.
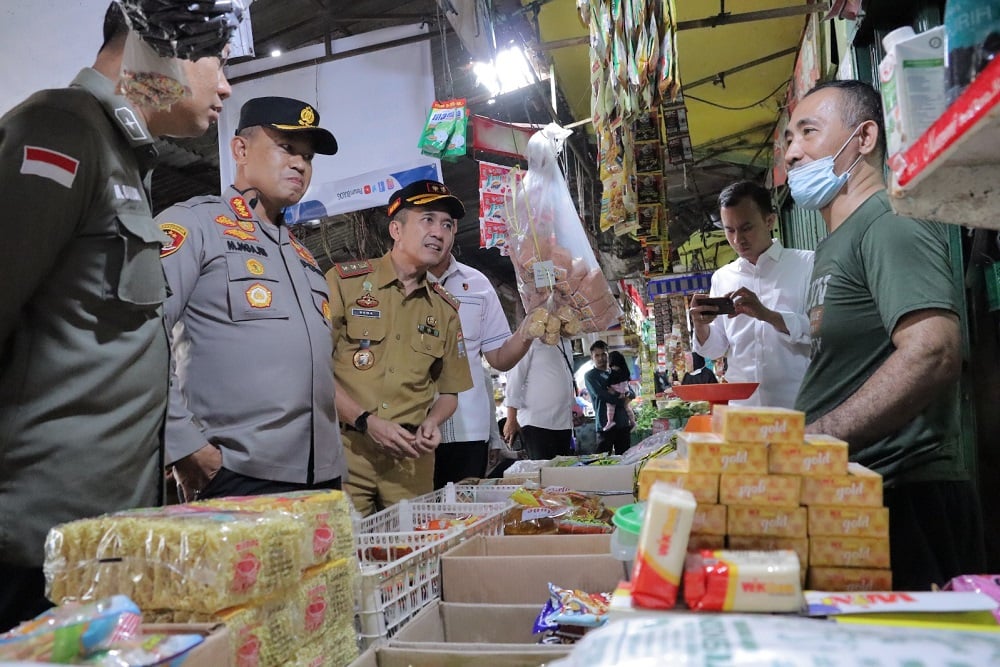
(252,398)
(83,353)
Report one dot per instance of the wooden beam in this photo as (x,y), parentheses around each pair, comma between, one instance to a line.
(763,15)
(720,76)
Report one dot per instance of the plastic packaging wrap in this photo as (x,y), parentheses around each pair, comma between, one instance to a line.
(572,607)
(327,513)
(146,651)
(743,581)
(181,557)
(149,80)
(556,510)
(184,28)
(987,584)
(562,287)
(67,634)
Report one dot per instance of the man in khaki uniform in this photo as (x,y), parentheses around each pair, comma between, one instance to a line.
(399,358)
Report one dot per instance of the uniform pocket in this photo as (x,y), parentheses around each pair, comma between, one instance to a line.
(427,344)
(133,272)
(471,311)
(365,328)
(254,292)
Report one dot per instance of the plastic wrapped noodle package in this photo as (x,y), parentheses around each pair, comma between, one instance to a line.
(327,513)
(767,581)
(179,557)
(562,287)
(66,634)
(745,640)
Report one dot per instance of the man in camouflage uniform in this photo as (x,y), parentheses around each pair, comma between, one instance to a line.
(83,353)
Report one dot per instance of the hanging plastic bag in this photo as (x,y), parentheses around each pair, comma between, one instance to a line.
(444,133)
(182,28)
(149,80)
(562,287)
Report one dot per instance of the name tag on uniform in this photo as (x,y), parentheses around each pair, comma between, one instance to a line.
(366,312)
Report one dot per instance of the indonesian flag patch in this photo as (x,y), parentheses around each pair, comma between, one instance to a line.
(50,164)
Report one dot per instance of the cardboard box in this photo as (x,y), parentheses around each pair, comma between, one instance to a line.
(849,579)
(214,651)
(817,455)
(390,656)
(762,520)
(859,487)
(454,625)
(800,545)
(707,452)
(484,569)
(759,489)
(703,485)
(699,541)
(849,521)
(709,520)
(872,552)
(758,424)
(615,484)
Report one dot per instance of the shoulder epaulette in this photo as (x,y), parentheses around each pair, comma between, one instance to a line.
(351,269)
(446,295)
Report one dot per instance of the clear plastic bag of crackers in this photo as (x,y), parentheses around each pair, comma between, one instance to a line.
(562,287)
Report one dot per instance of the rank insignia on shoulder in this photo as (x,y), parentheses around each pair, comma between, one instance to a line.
(240,208)
(225,221)
(446,295)
(351,269)
(176,235)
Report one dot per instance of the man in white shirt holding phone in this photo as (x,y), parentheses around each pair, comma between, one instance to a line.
(764,333)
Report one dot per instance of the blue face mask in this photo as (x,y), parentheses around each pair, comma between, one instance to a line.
(814,185)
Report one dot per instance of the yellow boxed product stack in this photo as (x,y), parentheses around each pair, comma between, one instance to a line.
(762,483)
(275,573)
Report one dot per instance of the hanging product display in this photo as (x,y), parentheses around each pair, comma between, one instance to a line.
(633,67)
(562,287)
(184,29)
(494,183)
(444,133)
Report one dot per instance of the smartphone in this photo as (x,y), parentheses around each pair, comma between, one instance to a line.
(724,304)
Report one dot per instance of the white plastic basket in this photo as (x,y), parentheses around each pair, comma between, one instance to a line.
(393,591)
(469,493)
(408,515)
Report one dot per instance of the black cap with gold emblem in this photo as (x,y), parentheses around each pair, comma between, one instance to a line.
(287,115)
(427,194)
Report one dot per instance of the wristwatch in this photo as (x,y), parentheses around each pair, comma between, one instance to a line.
(361,423)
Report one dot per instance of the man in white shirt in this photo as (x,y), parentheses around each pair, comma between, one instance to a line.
(464,448)
(766,338)
(540,400)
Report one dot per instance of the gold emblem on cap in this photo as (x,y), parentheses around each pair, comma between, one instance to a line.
(364,359)
(307,116)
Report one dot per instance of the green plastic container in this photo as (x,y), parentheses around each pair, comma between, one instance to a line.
(628,523)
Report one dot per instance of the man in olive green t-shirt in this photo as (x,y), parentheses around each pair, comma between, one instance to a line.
(886,339)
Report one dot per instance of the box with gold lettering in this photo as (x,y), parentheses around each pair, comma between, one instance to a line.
(709,520)
(675,472)
(849,579)
(756,489)
(849,552)
(764,520)
(707,452)
(816,455)
(758,424)
(835,521)
(859,487)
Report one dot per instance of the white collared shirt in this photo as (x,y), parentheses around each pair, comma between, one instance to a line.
(484,328)
(756,351)
(540,386)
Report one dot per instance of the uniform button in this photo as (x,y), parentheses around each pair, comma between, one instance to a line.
(397,336)
(385,406)
(366,332)
(426,346)
(391,369)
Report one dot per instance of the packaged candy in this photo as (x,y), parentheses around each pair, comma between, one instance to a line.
(572,607)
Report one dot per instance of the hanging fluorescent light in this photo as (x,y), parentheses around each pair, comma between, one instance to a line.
(508,71)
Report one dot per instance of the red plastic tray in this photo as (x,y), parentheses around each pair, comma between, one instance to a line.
(716,393)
